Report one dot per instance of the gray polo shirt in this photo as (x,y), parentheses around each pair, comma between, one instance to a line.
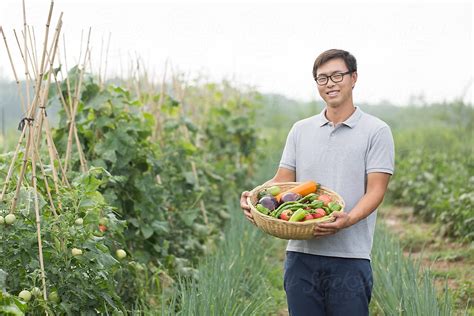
(340,157)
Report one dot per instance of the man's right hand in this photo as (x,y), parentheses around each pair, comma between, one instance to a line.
(245,207)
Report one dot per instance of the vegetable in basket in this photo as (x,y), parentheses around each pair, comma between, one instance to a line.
(262,209)
(302,189)
(269,202)
(271,191)
(290,196)
(298,216)
(334,206)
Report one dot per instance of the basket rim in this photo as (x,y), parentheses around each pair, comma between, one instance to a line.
(295,224)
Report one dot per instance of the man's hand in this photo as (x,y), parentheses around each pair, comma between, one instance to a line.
(324,229)
(377,183)
(245,207)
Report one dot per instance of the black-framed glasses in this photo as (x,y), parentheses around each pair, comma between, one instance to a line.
(337,77)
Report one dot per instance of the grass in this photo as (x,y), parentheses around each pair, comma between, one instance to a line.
(450,263)
(244,277)
(401,286)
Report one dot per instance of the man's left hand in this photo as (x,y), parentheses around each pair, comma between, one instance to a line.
(324,229)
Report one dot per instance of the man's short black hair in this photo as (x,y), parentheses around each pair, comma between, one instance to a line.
(326,56)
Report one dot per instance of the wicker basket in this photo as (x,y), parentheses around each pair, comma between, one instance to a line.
(283,229)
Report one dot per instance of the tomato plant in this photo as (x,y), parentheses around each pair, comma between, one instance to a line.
(79,267)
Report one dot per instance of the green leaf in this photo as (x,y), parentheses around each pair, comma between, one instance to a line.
(160,227)
(189,176)
(188,217)
(188,147)
(147,231)
(110,156)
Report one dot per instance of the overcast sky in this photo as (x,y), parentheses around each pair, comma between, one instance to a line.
(403,49)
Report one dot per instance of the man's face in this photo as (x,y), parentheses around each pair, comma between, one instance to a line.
(336,94)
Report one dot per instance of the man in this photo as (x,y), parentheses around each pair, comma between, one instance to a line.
(352,153)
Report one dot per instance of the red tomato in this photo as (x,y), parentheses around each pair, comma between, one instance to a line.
(102,228)
(319,212)
(286,214)
(325,198)
(308,217)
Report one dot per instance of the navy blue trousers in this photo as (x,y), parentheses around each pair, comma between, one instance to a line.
(320,285)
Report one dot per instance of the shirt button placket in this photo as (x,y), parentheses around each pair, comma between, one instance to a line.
(333,131)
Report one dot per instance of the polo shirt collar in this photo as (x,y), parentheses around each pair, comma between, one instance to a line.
(322,118)
(354,118)
(351,120)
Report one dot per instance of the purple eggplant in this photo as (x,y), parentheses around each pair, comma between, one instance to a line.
(290,196)
(269,202)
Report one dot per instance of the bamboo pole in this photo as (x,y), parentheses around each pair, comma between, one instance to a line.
(80,47)
(28,57)
(30,117)
(82,158)
(23,130)
(34,62)
(39,123)
(157,113)
(46,184)
(27,73)
(75,104)
(100,62)
(19,47)
(36,99)
(12,164)
(136,86)
(38,221)
(23,168)
(43,118)
(61,96)
(51,147)
(17,81)
(121,64)
(54,152)
(106,58)
(68,84)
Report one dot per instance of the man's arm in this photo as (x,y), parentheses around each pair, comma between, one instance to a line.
(377,183)
(283,175)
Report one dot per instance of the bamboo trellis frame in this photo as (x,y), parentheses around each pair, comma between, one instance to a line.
(28,129)
(35,124)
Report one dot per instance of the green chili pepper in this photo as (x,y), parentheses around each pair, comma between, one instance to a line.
(316,204)
(288,207)
(334,206)
(285,204)
(298,215)
(262,209)
(309,197)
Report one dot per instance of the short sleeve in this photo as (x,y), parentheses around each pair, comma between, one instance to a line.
(381,154)
(288,158)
